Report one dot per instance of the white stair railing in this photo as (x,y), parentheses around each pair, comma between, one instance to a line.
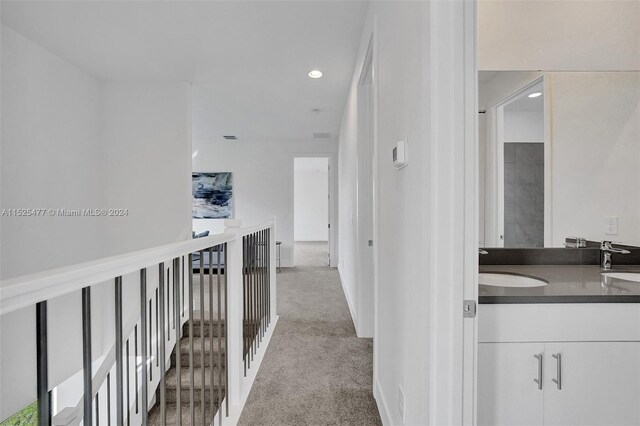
(220,287)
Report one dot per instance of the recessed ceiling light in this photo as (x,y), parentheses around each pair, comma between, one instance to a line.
(535,95)
(315,74)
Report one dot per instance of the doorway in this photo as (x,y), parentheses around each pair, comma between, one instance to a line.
(311,219)
(519,144)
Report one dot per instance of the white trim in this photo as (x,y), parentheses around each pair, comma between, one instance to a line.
(381,400)
(352,310)
(309,240)
(366,172)
(30,289)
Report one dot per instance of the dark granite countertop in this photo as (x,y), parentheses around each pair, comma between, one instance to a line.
(567,284)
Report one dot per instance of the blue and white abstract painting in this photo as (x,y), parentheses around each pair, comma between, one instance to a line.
(212,195)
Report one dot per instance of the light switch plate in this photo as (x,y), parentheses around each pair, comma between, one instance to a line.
(611,225)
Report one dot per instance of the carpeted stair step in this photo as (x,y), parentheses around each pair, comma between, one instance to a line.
(197,350)
(171,381)
(185,414)
(197,327)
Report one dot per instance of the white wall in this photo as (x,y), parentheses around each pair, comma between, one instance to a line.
(51,158)
(401,342)
(147,159)
(311,199)
(262,179)
(523,126)
(595,158)
(72,141)
(538,35)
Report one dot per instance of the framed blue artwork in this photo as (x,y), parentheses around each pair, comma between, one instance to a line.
(212,195)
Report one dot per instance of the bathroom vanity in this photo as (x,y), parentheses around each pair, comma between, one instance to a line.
(564,352)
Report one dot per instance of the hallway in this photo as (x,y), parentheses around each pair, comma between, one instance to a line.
(316,371)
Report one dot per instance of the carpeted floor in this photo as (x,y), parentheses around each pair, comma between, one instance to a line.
(316,371)
(311,253)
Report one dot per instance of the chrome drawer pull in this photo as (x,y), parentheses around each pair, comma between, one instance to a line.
(558,379)
(539,357)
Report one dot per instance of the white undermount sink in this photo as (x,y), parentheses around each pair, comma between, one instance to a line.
(502,279)
(627,276)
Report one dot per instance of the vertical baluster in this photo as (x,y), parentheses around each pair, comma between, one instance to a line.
(150,342)
(202,333)
(168,302)
(119,367)
(263,256)
(251,264)
(108,399)
(161,353)
(86,356)
(211,325)
(128,381)
(135,365)
(192,414)
(259,288)
(268,277)
(143,346)
(244,303)
(176,312)
(42,365)
(219,338)
(226,331)
(158,326)
(98,408)
(182,284)
(254,302)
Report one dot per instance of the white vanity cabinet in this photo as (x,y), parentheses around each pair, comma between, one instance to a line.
(596,359)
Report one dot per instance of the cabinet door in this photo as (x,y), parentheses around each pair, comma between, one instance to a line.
(507,393)
(600,384)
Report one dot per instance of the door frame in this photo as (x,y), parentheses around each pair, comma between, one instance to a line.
(333,203)
(367,175)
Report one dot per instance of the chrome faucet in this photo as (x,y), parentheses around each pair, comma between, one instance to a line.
(482,251)
(606,249)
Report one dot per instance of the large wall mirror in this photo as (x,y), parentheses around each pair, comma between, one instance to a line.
(559,157)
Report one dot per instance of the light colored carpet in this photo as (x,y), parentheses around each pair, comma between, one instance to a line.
(316,371)
(311,253)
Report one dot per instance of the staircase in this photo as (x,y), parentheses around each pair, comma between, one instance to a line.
(214,364)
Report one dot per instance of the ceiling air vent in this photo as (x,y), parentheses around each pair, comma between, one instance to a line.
(321,135)
(230,137)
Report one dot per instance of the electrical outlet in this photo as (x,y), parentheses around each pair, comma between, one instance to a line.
(611,225)
(401,403)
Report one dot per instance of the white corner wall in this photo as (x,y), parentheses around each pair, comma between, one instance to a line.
(262,179)
(51,158)
(536,35)
(311,203)
(71,141)
(401,343)
(147,158)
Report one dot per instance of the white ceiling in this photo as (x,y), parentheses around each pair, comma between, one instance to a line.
(525,103)
(248,60)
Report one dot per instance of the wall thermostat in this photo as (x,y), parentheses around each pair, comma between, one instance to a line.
(400,154)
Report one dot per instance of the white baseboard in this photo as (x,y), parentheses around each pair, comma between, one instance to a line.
(236,411)
(347,295)
(381,401)
(310,240)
